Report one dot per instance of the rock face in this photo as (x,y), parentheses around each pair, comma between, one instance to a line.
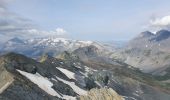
(161,35)
(145,34)
(69,76)
(6,79)
(148,51)
(101,94)
(123,78)
(13,86)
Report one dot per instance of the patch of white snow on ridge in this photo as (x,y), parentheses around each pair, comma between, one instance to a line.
(68,73)
(65,41)
(41,81)
(76,89)
(68,97)
(86,42)
(77,65)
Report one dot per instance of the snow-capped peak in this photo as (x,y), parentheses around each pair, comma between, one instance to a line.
(38,46)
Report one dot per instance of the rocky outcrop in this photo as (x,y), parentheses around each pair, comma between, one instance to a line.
(14,86)
(101,94)
(23,78)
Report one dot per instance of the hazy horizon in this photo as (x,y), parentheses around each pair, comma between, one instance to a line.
(97,20)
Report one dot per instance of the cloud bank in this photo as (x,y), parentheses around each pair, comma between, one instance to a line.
(13,25)
(161,23)
(60,32)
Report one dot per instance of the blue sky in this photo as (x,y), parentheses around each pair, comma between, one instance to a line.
(88,19)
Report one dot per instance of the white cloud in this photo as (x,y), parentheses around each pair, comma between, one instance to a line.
(60,31)
(39,33)
(13,25)
(160,23)
(10,23)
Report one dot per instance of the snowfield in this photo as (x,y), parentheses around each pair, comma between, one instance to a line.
(41,81)
(45,84)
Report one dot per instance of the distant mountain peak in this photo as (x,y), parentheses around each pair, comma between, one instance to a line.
(162,31)
(158,36)
(88,50)
(51,45)
(146,34)
(16,40)
(161,35)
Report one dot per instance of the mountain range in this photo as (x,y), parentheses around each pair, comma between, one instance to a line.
(51,46)
(149,52)
(59,68)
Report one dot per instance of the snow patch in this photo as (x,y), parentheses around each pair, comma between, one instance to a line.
(86,42)
(131,98)
(68,73)
(61,63)
(73,86)
(136,94)
(68,97)
(87,69)
(41,81)
(77,65)
(98,83)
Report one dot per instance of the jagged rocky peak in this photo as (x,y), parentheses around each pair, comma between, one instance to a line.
(162,32)
(11,56)
(88,50)
(16,40)
(80,53)
(18,57)
(14,61)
